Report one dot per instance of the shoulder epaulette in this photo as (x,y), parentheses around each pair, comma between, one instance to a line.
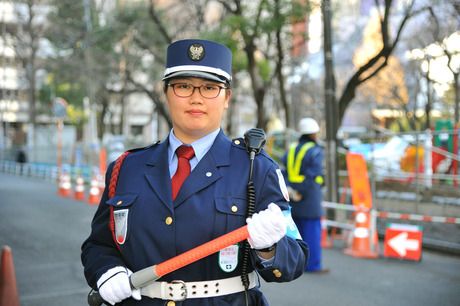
(143,148)
(239,143)
(117,166)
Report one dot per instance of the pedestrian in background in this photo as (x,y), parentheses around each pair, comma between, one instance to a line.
(21,158)
(304,172)
(159,212)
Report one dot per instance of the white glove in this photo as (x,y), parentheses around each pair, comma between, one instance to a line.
(266,227)
(114,285)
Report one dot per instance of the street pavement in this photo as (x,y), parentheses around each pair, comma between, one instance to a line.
(45,233)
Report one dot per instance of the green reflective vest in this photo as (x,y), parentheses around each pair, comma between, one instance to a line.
(294,162)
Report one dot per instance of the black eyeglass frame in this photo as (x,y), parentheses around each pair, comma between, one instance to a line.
(195,87)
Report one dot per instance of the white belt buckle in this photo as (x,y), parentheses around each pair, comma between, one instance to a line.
(183,288)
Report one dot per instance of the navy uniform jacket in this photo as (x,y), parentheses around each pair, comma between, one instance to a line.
(310,189)
(201,212)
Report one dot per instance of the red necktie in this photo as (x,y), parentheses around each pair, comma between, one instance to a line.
(184,154)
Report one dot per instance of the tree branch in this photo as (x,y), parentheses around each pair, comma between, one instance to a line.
(380,60)
(153,96)
(158,22)
(141,43)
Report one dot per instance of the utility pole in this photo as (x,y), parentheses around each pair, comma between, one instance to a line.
(90,131)
(330,107)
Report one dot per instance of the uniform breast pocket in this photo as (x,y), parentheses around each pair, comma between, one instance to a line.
(231,212)
(121,208)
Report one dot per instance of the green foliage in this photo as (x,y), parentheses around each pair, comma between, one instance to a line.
(235,29)
(67,27)
(45,94)
(404,124)
(76,115)
(240,61)
(236,23)
(128,39)
(264,69)
(299,10)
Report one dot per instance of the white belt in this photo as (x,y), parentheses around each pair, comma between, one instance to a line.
(179,290)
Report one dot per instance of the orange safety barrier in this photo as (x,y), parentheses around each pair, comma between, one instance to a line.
(8,288)
(364,239)
(359,181)
(65,185)
(79,193)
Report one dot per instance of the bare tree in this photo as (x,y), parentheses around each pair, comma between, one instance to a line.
(380,60)
(440,30)
(433,41)
(27,37)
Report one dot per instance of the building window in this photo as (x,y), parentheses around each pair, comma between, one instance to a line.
(136,130)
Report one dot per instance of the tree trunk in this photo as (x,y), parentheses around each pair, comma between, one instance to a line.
(428,100)
(257,86)
(279,71)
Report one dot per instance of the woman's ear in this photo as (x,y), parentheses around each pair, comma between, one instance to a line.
(228,97)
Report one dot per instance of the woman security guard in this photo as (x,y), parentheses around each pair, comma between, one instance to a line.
(158,211)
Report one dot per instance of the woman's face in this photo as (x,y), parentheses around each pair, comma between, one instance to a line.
(195,116)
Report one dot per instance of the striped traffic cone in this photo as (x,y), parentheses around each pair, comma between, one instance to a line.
(364,242)
(94,192)
(65,185)
(79,192)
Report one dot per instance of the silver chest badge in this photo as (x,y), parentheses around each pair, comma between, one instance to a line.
(196,52)
(121,224)
(228,258)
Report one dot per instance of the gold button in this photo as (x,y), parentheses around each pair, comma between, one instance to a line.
(277,273)
(237,142)
(234,208)
(171,303)
(120,202)
(168,220)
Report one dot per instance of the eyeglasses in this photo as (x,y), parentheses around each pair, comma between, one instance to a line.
(185,90)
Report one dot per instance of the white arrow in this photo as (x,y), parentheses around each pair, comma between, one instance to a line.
(401,244)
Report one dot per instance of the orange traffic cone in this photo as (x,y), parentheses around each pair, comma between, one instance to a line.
(65,185)
(94,193)
(8,288)
(79,193)
(364,242)
(325,241)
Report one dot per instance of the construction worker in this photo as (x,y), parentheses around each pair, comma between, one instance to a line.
(304,172)
(187,190)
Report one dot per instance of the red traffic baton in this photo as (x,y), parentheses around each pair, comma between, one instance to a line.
(142,277)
